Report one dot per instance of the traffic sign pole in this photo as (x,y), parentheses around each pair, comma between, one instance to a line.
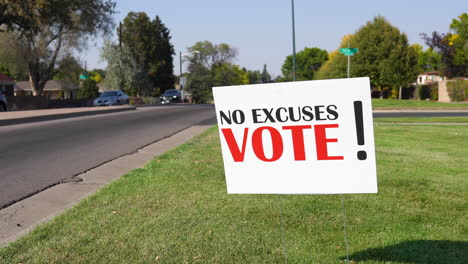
(348,52)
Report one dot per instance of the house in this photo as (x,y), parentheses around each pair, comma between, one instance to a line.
(7,85)
(53,89)
(429,77)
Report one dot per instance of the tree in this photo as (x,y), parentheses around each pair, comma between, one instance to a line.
(308,61)
(266,77)
(123,71)
(384,55)
(149,43)
(48,31)
(255,77)
(336,66)
(68,69)
(88,90)
(11,61)
(210,66)
(452,46)
(97,75)
(225,74)
(428,60)
(209,54)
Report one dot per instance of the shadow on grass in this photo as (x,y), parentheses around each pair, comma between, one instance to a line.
(418,252)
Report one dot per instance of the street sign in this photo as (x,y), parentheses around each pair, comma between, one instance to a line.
(84,77)
(349,51)
(310,137)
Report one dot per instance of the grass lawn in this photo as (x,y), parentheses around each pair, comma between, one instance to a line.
(448,119)
(393,104)
(176,210)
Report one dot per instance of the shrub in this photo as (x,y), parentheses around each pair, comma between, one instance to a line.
(428,91)
(88,90)
(457,90)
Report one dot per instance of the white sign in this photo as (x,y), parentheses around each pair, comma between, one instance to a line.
(311,137)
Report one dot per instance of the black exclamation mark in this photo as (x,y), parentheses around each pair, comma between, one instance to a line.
(361,155)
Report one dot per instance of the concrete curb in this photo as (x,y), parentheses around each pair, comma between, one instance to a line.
(23,216)
(49,117)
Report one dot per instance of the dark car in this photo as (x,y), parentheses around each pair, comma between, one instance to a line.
(111,98)
(3,102)
(170,96)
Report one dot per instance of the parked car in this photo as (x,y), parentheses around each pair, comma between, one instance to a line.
(111,98)
(170,96)
(3,103)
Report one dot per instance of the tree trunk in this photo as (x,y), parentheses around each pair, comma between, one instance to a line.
(34,85)
(399,93)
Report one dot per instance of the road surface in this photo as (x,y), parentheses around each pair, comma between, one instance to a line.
(36,156)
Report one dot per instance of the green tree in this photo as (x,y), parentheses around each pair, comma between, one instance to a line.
(49,31)
(225,74)
(11,61)
(336,66)
(69,69)
(428,60)
(123,71)
(210,66)
(97,75)
(308,61)
(255,77)
(266,77)
(209,54)
(150,44)
(88,89)
(384,55)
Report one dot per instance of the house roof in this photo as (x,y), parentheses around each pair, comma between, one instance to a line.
(5,78)
(430,73)
(52,85)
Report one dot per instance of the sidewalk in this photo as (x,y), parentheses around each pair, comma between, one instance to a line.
(21,117)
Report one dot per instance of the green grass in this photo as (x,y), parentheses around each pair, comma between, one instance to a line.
(448,119)
(176,210)
(393,104)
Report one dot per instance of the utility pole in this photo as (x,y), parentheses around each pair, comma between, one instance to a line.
(180,78)
(294,42)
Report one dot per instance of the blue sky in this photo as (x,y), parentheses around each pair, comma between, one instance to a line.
(261,30)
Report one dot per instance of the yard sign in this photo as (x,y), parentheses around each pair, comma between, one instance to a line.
(311,137)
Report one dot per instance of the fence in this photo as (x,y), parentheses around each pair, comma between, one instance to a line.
(42,102)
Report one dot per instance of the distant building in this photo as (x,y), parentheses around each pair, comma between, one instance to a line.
(7,85)
(53,89)
(429,77)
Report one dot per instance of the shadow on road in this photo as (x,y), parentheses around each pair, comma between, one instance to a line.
(418,252)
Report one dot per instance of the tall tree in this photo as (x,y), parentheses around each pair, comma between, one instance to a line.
(209,54)
(266,77)
(210,66)
(308,61)
(49,31)
(150,44)
(11,61)
(123,72)
(384,55)
(162,69)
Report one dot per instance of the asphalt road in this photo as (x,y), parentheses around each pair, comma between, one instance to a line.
(38,155)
